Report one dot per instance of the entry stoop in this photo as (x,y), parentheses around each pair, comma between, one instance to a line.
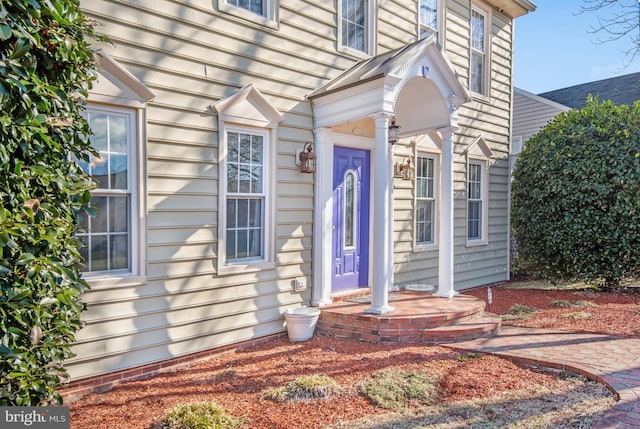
(418,317)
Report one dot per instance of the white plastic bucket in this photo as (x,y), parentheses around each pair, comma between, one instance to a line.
(301,322)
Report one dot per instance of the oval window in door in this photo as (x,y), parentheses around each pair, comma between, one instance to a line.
(349,208)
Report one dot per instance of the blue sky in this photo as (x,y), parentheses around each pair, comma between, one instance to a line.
(555,48)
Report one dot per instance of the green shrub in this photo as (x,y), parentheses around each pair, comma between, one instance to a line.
(392,388)
(305,387)
(568,304)
(47,67)
(519,309)
(198,415)
(575,205)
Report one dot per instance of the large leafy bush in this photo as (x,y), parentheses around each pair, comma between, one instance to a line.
(576,195)
(46,67)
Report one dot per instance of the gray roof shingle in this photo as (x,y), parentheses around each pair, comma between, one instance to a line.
(621,90)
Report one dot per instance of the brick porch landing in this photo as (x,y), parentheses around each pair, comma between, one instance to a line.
(418,317)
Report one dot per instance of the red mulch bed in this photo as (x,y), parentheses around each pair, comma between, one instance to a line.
(237,380)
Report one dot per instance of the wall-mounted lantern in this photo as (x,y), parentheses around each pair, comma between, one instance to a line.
(393,131)
(405,170)
(307,159)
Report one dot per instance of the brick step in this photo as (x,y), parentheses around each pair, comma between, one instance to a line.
(484,325)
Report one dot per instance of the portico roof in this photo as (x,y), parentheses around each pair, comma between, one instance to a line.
(377,85)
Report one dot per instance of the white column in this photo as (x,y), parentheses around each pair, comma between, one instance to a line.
(322,219)
(445,255)
(382,219)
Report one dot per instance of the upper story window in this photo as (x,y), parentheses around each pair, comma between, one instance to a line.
(355,26)
(429,17)
(426,185)
(479,55)
(263,12)
(109,235)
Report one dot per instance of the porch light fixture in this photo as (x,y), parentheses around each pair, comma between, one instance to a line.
(405,170)
(307,159)
(393,131)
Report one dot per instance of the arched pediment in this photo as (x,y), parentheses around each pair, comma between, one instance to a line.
(416,83)
(248,107)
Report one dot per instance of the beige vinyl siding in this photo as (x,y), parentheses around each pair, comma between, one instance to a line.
(191,56)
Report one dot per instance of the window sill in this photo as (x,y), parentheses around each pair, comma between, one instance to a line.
(425,247)
(265,21)
(106,281)
(475,243)
(353,52)
(249,267)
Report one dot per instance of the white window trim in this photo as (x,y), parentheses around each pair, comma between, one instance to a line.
(271,19)
(138,218)
(484,184)
(371,31)
(486,12)
(422,247)
(441,20)
(268,260)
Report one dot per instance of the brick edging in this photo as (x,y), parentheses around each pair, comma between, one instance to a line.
(76,389)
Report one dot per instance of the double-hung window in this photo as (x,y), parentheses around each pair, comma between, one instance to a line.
(475,200)
(426,209)
(109,235)
(429,19)
(478,66)
(246,195)
(355,25)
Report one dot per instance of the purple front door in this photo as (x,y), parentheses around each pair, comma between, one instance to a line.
(350,218)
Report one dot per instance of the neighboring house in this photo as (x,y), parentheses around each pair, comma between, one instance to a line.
(532,112)
(208,229)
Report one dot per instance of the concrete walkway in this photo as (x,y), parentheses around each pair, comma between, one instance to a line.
(612,361)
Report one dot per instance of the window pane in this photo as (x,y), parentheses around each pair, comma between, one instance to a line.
(232,213)
(255,243)
(99,253)
(98,168)
(232,147)
(99,124)
(242,243)
(119,213)
(117,134)
(255,214)
(349,210)
(232,178)
(99,222)
(243,214)
(119,252)
(256,149)
(256,180)
(231,244)
(118,169)
(244,148)
(244,179)
(477,73)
